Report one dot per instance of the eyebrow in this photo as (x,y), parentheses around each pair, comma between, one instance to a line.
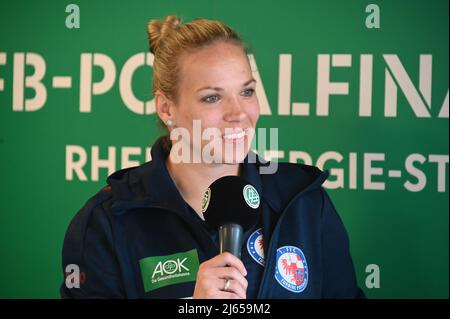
(221,89)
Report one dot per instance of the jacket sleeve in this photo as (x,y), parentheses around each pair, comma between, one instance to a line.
(339,280)
(88,245)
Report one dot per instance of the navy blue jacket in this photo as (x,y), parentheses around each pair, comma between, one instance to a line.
(141,214)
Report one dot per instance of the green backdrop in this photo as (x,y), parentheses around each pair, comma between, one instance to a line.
(398,223)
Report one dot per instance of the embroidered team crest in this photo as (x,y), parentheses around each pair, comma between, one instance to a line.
(291,271)
(251,196)
(255,246)
(205,200)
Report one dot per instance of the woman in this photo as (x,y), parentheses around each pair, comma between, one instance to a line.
(144,236)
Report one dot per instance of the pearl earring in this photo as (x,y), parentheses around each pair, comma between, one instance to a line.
(169,122)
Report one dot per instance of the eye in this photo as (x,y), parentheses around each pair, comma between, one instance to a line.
(248,92)
(211,98)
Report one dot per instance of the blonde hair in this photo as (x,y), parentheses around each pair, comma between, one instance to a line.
(169,39)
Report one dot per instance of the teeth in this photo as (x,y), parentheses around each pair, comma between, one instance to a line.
(234,135)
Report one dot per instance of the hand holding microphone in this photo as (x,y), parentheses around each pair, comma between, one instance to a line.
(231,205)
(221,277)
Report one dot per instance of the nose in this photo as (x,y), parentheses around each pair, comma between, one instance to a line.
(234,111)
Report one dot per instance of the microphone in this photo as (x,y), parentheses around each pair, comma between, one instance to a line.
(231,205)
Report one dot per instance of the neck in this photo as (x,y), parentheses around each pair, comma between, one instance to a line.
(192,179)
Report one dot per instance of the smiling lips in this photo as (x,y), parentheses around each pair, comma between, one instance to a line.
(237,136)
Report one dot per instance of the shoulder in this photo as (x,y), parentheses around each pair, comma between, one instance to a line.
(290,170)
(89,245)
(287,180)
(94,214)
(295,177)
(97,212)
(99,202)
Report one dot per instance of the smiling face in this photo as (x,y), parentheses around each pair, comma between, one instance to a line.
(217,87)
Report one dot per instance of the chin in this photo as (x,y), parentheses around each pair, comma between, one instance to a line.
(233,158)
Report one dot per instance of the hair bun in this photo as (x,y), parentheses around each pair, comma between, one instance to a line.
(157,28)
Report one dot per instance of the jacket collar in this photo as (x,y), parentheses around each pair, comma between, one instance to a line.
(151,185)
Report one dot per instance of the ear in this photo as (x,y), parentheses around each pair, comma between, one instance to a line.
(164,107)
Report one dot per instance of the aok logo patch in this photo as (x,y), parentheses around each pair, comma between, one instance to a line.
(160,271)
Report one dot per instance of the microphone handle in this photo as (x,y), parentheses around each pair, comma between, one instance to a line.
(230,239)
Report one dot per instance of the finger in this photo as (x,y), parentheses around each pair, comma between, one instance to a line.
(213,280)
(226,259)
(234,286)
(230,273)
(224,273)
(235,262)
